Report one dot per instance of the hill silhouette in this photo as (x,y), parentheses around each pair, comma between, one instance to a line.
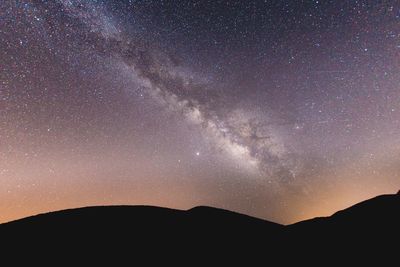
(204,232)
(369,229)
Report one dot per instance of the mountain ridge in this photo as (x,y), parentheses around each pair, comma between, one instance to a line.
(368,226)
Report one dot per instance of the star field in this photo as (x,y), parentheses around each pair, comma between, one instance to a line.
(283,110)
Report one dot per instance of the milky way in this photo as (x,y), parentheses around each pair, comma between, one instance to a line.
(276,109)
(242,136)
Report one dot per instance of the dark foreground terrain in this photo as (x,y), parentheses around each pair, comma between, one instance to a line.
(367,230)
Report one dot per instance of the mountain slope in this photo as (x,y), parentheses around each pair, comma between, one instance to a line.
(367,228)
(149,227)
(379,212)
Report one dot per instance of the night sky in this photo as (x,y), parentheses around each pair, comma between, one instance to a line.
(282,110)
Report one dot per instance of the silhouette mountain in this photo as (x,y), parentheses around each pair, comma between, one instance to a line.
(379,212)
(369,228)
(205,233)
